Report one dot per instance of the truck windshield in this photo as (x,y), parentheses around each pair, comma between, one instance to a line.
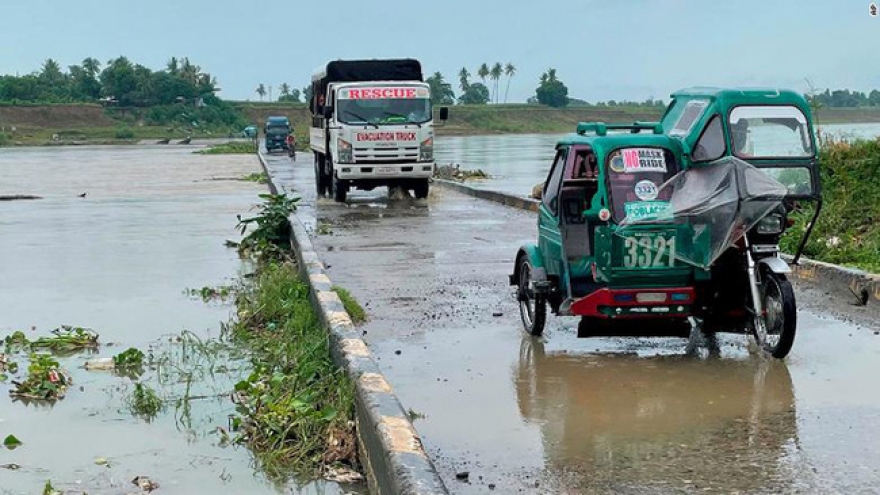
(770,132)
(384,111)
(278,129)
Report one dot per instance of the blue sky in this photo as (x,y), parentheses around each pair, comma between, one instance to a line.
(614,49)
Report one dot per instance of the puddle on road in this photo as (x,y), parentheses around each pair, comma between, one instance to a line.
(119,261)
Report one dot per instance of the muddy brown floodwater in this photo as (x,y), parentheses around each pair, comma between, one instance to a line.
(152,223)
(565,415)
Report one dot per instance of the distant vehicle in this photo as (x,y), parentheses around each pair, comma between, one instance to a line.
(276,130)
(250,131)
(372,126)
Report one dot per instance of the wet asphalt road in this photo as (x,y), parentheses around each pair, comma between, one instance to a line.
(567,415)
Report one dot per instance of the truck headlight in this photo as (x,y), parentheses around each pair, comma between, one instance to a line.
(426,150)
(771,224)
(344,152)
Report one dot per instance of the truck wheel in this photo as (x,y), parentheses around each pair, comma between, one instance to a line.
(340,190)
(532,305)
(421,189)
(320,181)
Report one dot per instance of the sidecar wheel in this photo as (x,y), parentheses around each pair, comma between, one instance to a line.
(780,315)
(532,305)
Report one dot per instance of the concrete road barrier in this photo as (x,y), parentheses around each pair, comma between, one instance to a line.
(390,448)
(498,197)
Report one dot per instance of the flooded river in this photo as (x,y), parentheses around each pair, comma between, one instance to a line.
(152,224)
(517,162)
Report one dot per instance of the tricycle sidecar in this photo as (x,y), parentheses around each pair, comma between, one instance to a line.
(647,228)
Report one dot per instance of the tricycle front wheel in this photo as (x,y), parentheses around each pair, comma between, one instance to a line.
(774,331)
(532,305)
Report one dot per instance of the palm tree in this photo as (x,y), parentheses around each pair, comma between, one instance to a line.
(483,72)
(551,75)
(91,66)
(463,76)
(509,71)
(261,90)
(172,66)
(495,75)
(51,72)
(189,72)
(284,89)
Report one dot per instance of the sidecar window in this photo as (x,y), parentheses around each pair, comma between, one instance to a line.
(688,116)
(711,145)
(554,182)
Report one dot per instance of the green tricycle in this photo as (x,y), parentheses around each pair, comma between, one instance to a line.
(652,229)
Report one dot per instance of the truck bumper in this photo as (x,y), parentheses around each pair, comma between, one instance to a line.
(384,171)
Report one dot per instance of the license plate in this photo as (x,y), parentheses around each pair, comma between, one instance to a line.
(649,250)
(385,170)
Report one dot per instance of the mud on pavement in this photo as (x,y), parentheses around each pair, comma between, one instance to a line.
(498,410)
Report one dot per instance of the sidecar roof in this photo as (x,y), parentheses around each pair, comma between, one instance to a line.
(604,138)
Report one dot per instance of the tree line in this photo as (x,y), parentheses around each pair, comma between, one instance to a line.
(844,98)
(119,82)
(551,91)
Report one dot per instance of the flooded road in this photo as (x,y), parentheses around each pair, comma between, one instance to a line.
(151,225)
(516,162)
(567,415)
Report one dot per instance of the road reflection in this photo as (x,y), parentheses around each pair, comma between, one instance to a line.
(623,422)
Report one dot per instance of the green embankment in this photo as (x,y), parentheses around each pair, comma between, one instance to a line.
(848,229)
(89,123)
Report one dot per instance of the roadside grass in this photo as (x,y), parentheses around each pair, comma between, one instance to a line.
(258,177)
(352,307)
(297,406)
(230,147)
(848,229)
(269,237)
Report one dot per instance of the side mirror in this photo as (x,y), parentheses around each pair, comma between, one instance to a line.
(444,113)
(328,111)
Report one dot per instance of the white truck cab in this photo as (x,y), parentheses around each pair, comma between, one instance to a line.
(372,126)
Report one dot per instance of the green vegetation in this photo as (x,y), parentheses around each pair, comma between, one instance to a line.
(258,177)
(454,172)
(296,406)
(230,147)
(848,229)
(144,402)
(48,489)
(552,92)
(120,82)
(352,307)
(65,340)
(129,362)
(11,442)
(208,294)
(45,381)
(270,237)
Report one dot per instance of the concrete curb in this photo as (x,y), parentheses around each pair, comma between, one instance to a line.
(849,282)
(391,450)
(498,197)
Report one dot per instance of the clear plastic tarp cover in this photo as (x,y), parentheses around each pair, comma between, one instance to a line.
(716,203)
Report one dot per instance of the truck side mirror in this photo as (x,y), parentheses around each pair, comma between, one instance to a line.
(444,113)
(328,111)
